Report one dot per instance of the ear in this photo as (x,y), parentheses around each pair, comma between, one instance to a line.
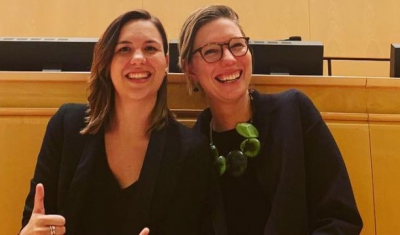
(191,72)
(167,63)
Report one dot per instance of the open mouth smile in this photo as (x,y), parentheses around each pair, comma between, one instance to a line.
(138,76)
(229,77)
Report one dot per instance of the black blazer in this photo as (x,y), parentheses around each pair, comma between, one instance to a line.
(176,184)
(300,168)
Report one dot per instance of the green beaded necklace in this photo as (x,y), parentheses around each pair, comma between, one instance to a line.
(235,161)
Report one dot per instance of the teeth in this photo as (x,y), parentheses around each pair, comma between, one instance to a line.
(138,75)
(230,77)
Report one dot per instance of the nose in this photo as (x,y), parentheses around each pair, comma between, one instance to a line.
(227,56)
(138,57)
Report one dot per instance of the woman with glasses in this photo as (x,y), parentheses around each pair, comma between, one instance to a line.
(281,172)
(122,162)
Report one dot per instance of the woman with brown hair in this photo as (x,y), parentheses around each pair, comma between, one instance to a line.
(122,163)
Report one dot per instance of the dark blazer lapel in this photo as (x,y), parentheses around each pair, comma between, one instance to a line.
(264,106)
(78,188)
(149,174)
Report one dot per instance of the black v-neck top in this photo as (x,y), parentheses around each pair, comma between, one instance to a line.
(242,196)
(108,209)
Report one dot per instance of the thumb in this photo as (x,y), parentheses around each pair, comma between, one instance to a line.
(38,206)
(145,231)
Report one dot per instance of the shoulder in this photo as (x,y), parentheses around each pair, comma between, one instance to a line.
(73,109)
(186,145)
(290,100)
(291,96)
(288,108)
(70,116)
(187,135)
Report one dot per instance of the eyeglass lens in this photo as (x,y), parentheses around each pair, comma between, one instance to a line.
(213,51)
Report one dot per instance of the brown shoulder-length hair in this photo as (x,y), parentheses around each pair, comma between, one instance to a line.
(101,91)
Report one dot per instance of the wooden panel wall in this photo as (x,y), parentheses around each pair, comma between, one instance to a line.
(384,98)
(260,19)
(358,28)
(385,149)
(57,18)
(20,139)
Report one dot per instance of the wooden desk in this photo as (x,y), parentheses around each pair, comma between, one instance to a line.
(362,113)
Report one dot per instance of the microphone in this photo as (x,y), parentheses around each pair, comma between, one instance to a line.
(293,38)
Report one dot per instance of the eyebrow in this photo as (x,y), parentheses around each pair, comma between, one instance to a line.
(128,42)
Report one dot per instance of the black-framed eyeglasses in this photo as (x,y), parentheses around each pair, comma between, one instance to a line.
(212,52)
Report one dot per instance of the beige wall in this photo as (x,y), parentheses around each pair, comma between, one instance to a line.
(358,28)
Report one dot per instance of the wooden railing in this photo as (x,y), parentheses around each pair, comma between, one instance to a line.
(329,60)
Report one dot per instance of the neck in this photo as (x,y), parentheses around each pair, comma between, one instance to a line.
(132,118)
(225,116)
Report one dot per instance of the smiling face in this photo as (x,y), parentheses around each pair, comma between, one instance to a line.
(139,63)
(228,79)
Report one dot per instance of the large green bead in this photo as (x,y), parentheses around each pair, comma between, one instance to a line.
(236,163)
(250,147)
(247,130)
(220,164)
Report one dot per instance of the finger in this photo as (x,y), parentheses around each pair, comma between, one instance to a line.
(57,230)
(38,206)
(57,220)
(47,220)
(145,231)
(61,230)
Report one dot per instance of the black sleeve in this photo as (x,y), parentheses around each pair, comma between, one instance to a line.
(330,197)
(47,166)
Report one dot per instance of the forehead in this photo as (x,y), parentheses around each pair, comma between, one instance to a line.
(140,29)
(219,30)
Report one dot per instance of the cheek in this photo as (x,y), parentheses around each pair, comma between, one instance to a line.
(248,61)
(247,64)
(113,74)
(115,65)
(160,64)
(203,69)
(115,71)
